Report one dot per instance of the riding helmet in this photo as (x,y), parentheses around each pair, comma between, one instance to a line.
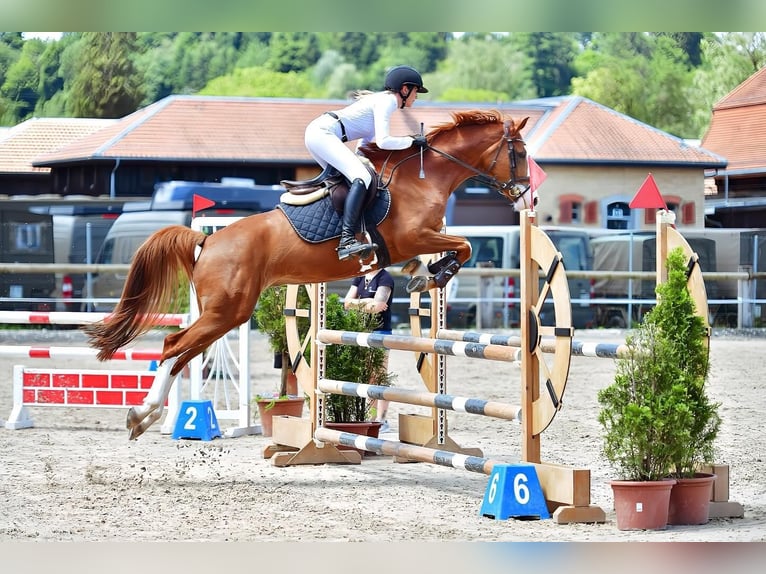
(402,76)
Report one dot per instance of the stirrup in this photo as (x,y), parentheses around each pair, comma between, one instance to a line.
(363,250)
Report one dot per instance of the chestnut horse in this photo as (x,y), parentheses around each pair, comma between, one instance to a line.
(231,267)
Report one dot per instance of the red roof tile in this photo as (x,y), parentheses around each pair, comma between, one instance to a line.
(206,128)
(737,129)
(20,144)
(581,130)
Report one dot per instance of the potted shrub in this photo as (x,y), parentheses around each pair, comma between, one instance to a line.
(686,334)
(366,365)
(270,319)
(649,413)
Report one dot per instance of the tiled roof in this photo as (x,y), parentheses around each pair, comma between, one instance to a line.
(270,130)
(580,130)
(737,129)
(27,140)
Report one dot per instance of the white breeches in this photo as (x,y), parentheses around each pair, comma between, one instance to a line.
(323,140)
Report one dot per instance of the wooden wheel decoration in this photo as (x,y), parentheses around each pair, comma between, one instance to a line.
(551,344)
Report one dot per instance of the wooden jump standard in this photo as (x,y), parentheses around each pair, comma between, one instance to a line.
(567,490)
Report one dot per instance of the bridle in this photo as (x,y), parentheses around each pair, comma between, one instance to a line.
(515,187)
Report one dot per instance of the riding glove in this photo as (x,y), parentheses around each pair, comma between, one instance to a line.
(419,141)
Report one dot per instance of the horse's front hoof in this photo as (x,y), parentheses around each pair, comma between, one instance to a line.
(417,284)
(411,266)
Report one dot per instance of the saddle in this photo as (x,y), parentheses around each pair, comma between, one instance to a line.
(330,182)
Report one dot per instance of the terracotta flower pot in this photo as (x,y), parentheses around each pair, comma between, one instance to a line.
(690,499)
(642,505)
(268,408)
(364,428)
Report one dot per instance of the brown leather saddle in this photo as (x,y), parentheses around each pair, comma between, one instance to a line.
(330,182)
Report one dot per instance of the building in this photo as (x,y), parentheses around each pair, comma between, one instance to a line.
(595,158)
(737,195)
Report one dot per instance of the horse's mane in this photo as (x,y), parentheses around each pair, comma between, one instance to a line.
(472,117)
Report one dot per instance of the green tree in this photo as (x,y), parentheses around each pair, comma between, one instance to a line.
(641,75)
(293,51)
(21,86)
(551,59)
(483,66)
(252,82)
(107,84)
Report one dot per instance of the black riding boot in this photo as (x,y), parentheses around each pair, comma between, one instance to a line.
(352,213)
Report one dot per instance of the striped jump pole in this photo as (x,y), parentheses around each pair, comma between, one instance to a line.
(30,352)
(77,318)
(417,344)
(406,451)
(579,348)
(411,397)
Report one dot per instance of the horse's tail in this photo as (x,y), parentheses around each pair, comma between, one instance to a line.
(152,283)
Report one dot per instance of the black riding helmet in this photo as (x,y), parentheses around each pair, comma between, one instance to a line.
(401,76)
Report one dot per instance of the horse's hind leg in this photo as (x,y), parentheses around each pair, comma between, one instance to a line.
(143,416)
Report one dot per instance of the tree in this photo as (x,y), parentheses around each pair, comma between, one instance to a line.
(551,59)
(252,82)
(21,84)
(641,75)
(486,66)
(293,51)
(107,84)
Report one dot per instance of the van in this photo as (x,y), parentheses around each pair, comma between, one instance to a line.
(26,237)
(78,233)
(637,252)
(171,204)
(498,247)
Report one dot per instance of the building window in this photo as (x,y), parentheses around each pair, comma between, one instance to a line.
(570,208)
(618,215)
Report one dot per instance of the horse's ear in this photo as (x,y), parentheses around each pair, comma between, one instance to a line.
(522,124)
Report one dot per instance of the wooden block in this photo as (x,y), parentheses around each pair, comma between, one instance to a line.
(563,484)
(415,429)
(721,485)
(726,510)
(291,431)
(579,514)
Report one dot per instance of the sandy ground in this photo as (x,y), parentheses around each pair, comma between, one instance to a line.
(75,476)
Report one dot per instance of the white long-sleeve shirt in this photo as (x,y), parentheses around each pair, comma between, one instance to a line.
(369,120)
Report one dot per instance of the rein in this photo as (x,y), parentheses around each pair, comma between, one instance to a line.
(513,188)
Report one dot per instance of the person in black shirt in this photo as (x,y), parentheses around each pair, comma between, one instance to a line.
(373,293)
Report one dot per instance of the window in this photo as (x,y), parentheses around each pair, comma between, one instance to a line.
(618,215)
(571,208)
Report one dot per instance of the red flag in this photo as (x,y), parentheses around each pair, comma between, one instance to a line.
(648,196)
(536,174)
(199,203)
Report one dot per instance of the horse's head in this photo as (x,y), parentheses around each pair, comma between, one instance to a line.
(501,163)
(517,187)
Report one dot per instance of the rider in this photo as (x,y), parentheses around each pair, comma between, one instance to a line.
(367,119)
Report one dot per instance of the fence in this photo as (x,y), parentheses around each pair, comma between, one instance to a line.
(746,307)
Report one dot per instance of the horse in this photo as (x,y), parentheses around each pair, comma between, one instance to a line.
(229,269)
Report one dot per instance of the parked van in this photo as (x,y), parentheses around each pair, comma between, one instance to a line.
(26,237)
(498,247)
(637,252)
(78,233)
(172,204)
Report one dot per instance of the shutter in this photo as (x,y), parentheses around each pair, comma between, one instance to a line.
(650,216)
(565,211)
(688,213)
(591,212)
